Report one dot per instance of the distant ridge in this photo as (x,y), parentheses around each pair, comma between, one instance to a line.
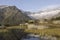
(46,14)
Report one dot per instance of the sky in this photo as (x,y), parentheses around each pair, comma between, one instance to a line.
(31,5)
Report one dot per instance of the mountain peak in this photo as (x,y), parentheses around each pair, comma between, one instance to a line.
(11,15)
(4,6)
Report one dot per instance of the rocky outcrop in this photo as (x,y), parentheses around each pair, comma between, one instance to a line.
(11,15)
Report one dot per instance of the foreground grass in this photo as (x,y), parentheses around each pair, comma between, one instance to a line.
(49,31)
(55,31)
(9,34)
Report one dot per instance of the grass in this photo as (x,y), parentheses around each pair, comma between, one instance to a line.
(55,31)
(50,31)
(3,30)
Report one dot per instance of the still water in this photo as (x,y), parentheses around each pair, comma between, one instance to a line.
(37,37)
(31,37)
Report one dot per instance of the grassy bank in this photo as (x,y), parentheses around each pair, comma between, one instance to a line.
(15,32)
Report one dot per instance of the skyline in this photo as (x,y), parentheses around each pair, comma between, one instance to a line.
(31,5)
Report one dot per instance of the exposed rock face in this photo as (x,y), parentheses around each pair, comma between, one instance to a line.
(11,15)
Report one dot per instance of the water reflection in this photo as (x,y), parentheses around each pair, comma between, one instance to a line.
(31,37)
(37,37)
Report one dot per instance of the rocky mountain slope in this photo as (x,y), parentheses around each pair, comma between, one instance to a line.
(11,15)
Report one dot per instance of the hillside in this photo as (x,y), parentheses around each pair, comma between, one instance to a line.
(11,15)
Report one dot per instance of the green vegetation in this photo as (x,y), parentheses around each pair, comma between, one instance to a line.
(55,31)
(17,32)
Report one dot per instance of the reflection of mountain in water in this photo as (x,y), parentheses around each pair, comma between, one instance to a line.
(37,37)
(31,37)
